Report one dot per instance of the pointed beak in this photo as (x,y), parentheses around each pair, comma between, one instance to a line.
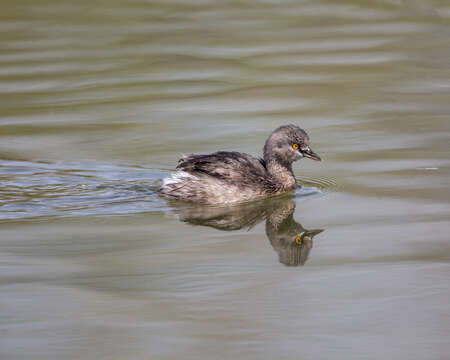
(311,154)
(307,237)
(314,232)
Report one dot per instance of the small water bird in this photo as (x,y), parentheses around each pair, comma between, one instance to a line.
(227,177)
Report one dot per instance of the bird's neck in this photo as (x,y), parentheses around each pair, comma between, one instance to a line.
(282,174)
(282,216)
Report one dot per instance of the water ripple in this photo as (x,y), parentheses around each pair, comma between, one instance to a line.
(38,189)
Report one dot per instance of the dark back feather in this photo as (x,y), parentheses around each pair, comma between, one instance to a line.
(230,166)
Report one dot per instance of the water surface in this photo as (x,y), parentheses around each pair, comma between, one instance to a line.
(98,100)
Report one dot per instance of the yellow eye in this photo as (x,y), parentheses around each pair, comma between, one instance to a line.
(298,240)
(295,146)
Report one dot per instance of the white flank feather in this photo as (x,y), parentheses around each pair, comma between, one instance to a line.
(177,177)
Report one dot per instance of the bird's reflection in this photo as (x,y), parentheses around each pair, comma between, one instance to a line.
(288,238)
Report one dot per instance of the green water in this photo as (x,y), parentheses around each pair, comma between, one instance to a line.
(98,100)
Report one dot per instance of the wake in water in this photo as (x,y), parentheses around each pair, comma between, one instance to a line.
(30,189)
(33,189)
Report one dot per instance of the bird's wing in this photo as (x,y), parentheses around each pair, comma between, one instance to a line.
(229,166)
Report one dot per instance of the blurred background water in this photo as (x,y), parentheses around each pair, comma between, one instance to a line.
(98,99)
